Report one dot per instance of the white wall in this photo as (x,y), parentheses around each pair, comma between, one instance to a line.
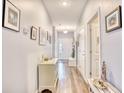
(66,41)
(112,46)
(21,54)
(111,42)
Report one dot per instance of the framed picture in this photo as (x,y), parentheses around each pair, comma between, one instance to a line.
(33,33)
(11,16)
(49,39)
(47,35)
(42,37)
(113,20)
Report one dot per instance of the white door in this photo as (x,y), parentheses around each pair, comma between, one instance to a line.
(65,48)
(82,53)
(94,47)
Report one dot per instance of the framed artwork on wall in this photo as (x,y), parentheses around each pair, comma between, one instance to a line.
(33,34)
(49,39)
(47,35)
(113,20)
(42,37)
(11,16)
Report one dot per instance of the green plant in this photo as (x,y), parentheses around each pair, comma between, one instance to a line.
(73,52)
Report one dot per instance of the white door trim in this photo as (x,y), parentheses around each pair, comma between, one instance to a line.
(97,13)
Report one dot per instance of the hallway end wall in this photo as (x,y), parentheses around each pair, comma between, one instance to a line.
(66,41)
(111,43)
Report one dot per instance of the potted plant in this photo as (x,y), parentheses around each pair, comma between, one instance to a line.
(73,51)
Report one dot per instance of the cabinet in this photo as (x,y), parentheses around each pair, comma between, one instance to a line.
(47,77)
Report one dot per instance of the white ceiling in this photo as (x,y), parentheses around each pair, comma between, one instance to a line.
(66,16)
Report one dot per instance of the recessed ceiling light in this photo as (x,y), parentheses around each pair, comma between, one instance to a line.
(64,3)
(65,32)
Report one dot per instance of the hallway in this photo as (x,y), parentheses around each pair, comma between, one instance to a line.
(65,46)
(70,80)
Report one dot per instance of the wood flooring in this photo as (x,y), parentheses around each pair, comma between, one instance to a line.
(70,80)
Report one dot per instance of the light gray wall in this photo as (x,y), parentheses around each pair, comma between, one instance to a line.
(21,54)
(112,46)
(66,40)
(111,42)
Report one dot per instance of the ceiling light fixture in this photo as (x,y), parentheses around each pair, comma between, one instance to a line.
(65,27)
(65,32)
(64,3)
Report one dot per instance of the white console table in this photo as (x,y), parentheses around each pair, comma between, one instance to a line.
(47,76)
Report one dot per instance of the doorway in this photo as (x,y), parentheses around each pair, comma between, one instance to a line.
(82,52)
(94,46)
(65,45)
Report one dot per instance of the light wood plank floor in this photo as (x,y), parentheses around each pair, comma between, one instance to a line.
(70,80)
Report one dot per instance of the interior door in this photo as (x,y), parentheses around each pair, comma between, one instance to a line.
(82,53)
(94,47)
(65,48)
